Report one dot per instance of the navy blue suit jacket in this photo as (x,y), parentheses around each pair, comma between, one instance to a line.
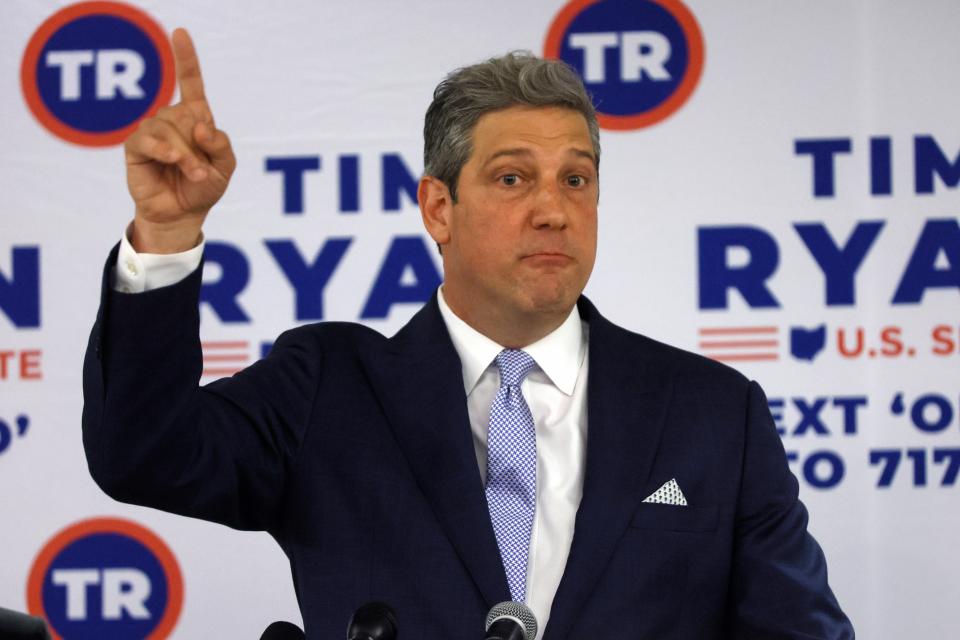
(354,451)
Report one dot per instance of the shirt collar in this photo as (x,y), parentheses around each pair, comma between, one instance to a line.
(558,354)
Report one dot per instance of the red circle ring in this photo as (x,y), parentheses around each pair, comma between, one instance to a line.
(691,30)
(109,525)
(28,76)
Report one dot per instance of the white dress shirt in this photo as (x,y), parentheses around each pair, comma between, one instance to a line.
(557,395)
(138,272)
(556,392)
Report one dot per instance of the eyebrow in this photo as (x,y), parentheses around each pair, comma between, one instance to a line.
(520,151)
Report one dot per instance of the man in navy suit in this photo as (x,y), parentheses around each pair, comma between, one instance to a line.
(659,503)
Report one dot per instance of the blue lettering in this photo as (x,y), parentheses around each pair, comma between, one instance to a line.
(850,404)
(293,168)
(397,180)
(835,469)
(20,293)
(822,152)
(881,171)
(266,347)
(6,436)
(349,184)
(7,432)
(308,281)
(776,412)
(919,417)
(839,264)
(717,277)
(921,272)
(222,294)
(407,254)
(929,160)
(810,417)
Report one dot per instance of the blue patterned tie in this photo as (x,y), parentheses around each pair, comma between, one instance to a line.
(512,468)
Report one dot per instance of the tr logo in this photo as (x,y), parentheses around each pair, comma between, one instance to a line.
(106,578)
(640,59)
(94,69)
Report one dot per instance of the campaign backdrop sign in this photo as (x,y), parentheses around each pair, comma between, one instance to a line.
(93,70)
(106,578)
(640,60)
(780,190)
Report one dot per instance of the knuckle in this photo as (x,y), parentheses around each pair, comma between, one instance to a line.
(153,126)
(182,117)
(142,143)
(168,132)
(176,116)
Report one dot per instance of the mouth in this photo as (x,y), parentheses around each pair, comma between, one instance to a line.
(548,258)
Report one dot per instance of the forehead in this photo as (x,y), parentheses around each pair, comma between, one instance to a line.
(541,129)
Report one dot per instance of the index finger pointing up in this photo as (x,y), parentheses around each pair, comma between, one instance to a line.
(188,67)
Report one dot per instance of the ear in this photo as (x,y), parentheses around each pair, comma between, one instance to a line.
(436,208)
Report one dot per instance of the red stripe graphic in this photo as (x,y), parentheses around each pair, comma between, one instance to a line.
(740,344)
(741,357)
(220,373)
(727,344)
(214,357)
(224,357)
(714,331)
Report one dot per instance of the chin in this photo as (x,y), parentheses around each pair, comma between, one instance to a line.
(552,301)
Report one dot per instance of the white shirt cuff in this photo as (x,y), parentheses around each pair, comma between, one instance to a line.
(139,272)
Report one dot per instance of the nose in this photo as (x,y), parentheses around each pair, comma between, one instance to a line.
(548,208)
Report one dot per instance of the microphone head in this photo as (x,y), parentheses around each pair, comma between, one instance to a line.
(374,620)
(514,611)
(283,631)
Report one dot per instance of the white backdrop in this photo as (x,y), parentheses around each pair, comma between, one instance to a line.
(342,79)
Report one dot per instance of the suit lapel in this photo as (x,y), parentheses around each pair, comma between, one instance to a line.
(627,397)
(420,384)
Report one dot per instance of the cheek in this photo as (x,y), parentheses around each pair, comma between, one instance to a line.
(487,232)
(480,249)
(587,231)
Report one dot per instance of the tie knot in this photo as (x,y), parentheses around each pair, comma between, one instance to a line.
(514,366)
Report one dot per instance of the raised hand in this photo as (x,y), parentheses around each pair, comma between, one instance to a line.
(178,163)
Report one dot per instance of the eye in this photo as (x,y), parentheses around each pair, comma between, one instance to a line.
(576,181)
(510,179)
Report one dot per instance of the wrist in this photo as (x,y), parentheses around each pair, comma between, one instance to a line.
(164,237)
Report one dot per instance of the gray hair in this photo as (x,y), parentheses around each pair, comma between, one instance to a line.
(518,78)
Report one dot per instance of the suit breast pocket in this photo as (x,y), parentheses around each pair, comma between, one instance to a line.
(667,517)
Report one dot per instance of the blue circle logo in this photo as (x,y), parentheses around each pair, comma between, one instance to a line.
(93,70)
(639,59)
(106,578)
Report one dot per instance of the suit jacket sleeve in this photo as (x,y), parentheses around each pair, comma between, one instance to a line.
(153,437)
(779,585)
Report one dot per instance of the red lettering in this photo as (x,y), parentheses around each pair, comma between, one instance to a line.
(30,365)
(892,344)
(842,343)
(943,340)
(4,357)
(20,365)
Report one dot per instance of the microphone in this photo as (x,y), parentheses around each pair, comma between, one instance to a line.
(373,621)
(283,631)
(511,621)
(20,626)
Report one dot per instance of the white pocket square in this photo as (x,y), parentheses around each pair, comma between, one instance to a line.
(669,493)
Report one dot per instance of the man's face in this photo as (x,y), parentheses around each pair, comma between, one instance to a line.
(521,239)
